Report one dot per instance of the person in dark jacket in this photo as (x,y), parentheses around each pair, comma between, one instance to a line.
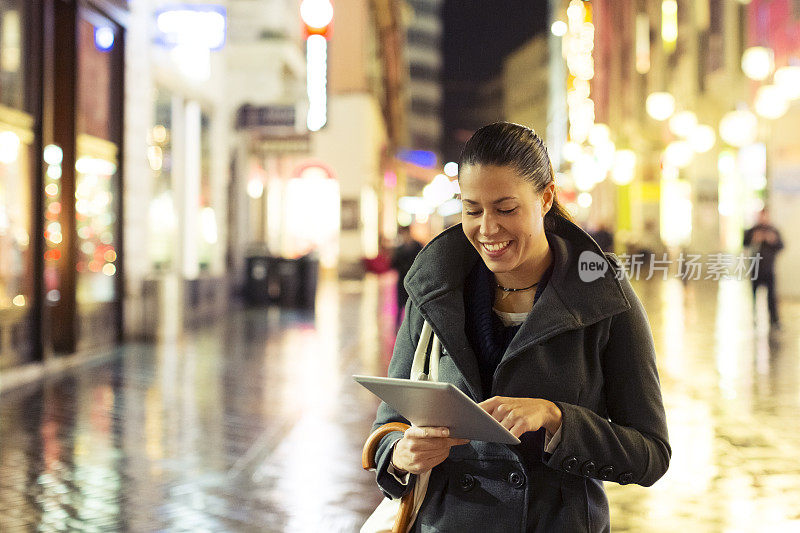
(765,239)
(603,237)
(559,353)
(402,259)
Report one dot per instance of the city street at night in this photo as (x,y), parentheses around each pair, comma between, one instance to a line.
(582,216)
(254,423)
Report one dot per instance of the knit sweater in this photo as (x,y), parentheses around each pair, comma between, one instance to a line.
(485,331)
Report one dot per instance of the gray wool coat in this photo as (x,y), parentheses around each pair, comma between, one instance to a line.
(587,347)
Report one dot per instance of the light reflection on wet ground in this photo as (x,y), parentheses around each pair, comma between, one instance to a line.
(255,425)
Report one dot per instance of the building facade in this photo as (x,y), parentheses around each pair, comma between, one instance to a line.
(526,89)
(424,89)
(183,131)
(671,101)
(61,261)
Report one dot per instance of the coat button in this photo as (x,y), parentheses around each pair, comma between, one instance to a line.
(606,473)
(516,479)
(570,464)
(588,469)
(467,481)
(625,478)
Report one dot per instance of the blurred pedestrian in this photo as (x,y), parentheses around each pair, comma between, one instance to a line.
(402,258)
(564,361)
(765,239)
(603,237)
(382,262)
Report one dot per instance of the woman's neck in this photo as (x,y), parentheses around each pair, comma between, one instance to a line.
(515,302)
(521,301)
(529,274)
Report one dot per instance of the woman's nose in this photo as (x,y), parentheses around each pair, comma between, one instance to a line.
(489,225)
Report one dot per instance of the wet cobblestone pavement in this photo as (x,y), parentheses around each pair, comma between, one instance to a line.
(255,425)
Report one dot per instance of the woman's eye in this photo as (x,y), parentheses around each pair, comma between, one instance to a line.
(472,213)
(507,211)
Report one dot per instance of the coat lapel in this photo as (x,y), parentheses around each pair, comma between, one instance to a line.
(568,303)
(442,315)
(435,285)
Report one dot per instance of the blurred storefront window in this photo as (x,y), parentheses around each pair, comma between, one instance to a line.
(311,209)
(17,163)
(208,221)
(12,72)
(15,210)
(96,167)
(162,219)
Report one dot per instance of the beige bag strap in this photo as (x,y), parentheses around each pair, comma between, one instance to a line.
(421,355)
(433,364)
(403,513)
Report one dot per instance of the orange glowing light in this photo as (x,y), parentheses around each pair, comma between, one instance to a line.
(52,255)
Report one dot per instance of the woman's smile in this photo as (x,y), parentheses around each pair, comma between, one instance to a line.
(496,249)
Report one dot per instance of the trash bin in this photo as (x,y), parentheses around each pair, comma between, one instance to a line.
(298,282)
(309,274)
(257,284)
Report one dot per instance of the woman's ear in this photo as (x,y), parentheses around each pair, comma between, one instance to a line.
(548,196)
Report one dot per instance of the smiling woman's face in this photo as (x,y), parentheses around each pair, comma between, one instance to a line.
(503,218)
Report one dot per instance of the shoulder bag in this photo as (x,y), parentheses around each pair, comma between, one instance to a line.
(397,515)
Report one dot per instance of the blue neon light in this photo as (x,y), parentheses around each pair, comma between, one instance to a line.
(104,38)
(421,158)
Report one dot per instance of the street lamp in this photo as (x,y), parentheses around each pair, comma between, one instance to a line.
(738,128)
(771,102)
(559,28)
(682,124)
(660,105)
(758,63)
(788,79)
(702,138)
(678,154)
(624,167)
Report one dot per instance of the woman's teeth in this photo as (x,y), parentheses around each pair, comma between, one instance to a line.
(496,247)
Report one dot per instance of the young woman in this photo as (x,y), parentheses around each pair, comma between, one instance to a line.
(565,361)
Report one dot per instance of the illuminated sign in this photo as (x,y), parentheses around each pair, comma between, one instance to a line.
(317,81)
(270,116)
(194,25)
(317,16)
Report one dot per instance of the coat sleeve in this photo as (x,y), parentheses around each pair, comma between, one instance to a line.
(747,238)
(399,367)
(631,445)
(779,243)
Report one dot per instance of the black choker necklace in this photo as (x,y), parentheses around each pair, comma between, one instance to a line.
(506,289)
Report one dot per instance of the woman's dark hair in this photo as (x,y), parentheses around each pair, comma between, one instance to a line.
(505,144)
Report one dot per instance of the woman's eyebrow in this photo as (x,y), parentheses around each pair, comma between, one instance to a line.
(498,201)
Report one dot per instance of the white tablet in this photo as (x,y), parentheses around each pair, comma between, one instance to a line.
(426,403)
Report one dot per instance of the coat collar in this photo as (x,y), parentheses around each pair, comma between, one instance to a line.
(435,285)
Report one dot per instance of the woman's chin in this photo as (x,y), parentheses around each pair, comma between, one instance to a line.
(498,266)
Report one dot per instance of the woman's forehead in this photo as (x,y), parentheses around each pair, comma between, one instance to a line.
(494,181)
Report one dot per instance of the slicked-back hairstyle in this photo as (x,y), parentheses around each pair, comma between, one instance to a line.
(505,144)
